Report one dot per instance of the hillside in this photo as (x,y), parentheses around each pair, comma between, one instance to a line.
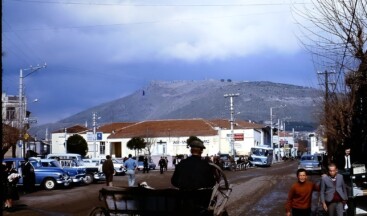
(205,99)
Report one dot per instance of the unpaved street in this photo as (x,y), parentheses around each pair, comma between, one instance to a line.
(256,191)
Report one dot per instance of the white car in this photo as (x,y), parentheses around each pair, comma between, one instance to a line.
(97,162)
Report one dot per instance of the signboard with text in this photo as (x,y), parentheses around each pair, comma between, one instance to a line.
(238,136)
(90,137)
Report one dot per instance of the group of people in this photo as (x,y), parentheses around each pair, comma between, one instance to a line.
(108,170)
(191,173)
(10,178)
(332,189)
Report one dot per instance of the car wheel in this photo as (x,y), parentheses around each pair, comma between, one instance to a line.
(88,179)
(49,184)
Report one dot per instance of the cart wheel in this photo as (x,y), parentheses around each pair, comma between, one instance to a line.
(99,211)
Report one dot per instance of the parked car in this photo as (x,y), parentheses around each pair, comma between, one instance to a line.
(76,172)
(90,171)
(48,177)
(97,163)
(310,163)
(151,165)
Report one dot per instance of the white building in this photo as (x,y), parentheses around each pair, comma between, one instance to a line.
(11,109)
(165,137)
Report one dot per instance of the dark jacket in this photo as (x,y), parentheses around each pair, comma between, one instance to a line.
(193,173)
(340,163)
(107,167)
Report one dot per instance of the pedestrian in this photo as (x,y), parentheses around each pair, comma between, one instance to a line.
(29,177)
(300,195)
(108,170)
(345,162)
(145,165)
(194,172)
(131,165)
(161,164)
(333,194)
(10,180)
(174,162)
(166,163)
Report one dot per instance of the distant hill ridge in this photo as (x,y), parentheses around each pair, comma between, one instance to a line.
(204,99)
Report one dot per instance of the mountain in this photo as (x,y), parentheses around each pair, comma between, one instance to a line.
(205,99)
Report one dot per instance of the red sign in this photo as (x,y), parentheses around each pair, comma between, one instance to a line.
(238,137)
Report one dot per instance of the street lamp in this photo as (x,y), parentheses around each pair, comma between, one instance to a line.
(22,104)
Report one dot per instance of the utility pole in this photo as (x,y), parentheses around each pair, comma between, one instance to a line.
(326,106)
(231,96)
(271,127)
(94,133)
(66,141)
(22,105)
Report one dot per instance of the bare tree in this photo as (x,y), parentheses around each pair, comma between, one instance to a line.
(337,39)
(10,136)
(150,141)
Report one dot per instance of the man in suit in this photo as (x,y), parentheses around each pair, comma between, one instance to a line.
(333,193)
(345,162)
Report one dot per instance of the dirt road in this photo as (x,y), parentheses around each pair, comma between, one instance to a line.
(256,191)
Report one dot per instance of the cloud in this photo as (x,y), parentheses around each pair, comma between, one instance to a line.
(131,32)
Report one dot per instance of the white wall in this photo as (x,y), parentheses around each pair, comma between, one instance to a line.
(171,145)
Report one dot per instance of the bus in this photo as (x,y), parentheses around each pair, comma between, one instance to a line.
(261,155)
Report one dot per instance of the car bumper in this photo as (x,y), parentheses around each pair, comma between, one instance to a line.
(77,179)
(310,168)
(65,182)
(99,177)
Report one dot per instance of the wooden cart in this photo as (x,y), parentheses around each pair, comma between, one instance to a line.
(165,202)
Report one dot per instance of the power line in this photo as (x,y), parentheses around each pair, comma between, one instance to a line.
(138,23)
(162,5)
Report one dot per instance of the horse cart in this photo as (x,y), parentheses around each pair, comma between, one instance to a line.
(121,201)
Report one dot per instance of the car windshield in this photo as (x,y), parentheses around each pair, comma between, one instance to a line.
(259,152)
(224,157)
(309,157)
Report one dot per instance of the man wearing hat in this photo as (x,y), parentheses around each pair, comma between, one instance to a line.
(194,172)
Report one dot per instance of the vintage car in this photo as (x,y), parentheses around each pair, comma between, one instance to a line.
(151,165)
(97,163)
(76,173)
(310,163)
(48,177)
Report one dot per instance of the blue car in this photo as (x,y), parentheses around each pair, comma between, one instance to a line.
(151,165)
(48,177)
(76,173)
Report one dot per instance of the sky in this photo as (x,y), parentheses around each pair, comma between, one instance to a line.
(99,51)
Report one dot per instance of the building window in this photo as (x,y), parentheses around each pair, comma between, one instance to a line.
(10,113)
(102,148)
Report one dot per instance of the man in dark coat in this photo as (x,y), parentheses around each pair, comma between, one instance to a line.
(108,170)
(29,177)
(146,165)
(194,172)
(162,164)
(345,162)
